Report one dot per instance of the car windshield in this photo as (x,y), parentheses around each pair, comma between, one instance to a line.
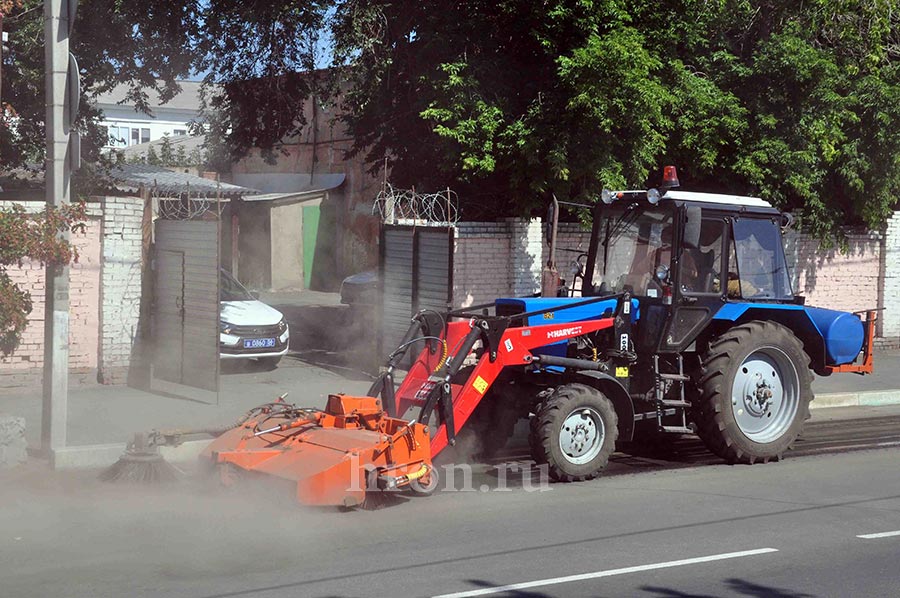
(634,242)
(231,290)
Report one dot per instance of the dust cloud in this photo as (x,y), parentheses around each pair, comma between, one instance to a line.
(68,534)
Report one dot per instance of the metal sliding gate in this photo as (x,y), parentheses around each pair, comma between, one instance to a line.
(416,272)
(185,313)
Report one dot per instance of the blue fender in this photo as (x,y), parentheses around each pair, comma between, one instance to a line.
(830,337)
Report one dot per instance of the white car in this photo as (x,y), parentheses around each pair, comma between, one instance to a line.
(248,328)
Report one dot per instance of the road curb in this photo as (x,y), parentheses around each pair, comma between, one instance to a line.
(870,398)
(95,456)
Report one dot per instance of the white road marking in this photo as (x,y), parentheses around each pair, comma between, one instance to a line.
(608,573)
(880,535)
(862,445)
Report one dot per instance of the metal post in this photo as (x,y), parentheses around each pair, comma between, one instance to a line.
(56,303)
(1,67)
(549,273)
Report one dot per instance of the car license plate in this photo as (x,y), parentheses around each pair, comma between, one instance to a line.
(259,343)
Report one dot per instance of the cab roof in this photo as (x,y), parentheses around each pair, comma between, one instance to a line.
(719,199)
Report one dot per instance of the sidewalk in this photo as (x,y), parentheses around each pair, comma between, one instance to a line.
(882,387)
(110,415)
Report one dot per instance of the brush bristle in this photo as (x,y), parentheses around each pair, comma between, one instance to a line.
(141,468)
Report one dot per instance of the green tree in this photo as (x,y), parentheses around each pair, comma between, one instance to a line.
(506,101)
(195,158)
(166,151)
(509,100)
(215,154)
(260,59)
(145,46)
(152,157)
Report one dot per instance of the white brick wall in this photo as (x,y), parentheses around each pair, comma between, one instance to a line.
(890,279)
(827,278)
(504,259)
(481,263)
(24,366)
(120,286)
(526,248)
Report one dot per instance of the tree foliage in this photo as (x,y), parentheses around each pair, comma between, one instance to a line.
(145,45)
(509,100)
(34,237)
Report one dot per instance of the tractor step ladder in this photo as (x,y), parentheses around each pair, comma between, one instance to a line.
(663,405)
(676,429)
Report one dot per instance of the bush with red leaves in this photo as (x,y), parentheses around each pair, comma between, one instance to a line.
(34,237)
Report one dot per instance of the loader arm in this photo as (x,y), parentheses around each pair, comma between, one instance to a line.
(503,346)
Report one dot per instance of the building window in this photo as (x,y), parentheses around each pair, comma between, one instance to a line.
(145,135)
(179,132)
(118,136)
(135,136)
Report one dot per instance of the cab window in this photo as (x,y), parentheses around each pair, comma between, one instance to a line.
(635,242)
(760,266)
(701,267)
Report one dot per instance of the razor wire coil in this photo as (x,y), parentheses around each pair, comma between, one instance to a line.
(393,205)
(185,203)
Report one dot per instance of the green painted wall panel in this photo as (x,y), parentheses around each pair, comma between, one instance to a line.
(310,233)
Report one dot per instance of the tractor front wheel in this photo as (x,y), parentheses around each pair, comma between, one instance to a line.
(755,390)
(574,432)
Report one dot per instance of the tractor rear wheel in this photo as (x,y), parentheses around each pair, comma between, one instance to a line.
(754,393)
(574,432)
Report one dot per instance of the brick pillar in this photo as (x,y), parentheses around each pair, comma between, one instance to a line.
(890,292)
(122,241)
(525,255)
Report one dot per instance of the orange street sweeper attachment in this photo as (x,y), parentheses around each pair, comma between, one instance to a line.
(383,441)
(329,457)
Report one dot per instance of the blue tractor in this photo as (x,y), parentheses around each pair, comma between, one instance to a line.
(705,336)
(682,321)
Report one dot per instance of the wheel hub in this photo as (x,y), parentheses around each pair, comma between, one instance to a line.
(765,394)
(758,400)
(581,436)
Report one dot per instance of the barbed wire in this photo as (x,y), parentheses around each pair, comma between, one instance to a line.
(393,205)
(183,203)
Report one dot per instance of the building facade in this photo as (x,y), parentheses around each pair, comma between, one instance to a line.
(126,126)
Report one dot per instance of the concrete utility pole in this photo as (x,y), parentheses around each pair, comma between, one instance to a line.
(2,40)
(57,179)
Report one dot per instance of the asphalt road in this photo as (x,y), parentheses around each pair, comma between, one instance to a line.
(683,527)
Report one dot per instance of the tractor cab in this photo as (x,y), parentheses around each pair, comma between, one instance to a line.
(683,256)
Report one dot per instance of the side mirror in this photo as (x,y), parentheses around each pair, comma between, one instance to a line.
(787,221)
(691,237)
(254,294)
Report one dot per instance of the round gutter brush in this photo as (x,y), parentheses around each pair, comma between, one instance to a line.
(141,463)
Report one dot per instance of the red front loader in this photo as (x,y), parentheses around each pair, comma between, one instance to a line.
(387,440)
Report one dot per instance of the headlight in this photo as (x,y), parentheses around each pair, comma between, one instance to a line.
(282,326)
(224,327)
